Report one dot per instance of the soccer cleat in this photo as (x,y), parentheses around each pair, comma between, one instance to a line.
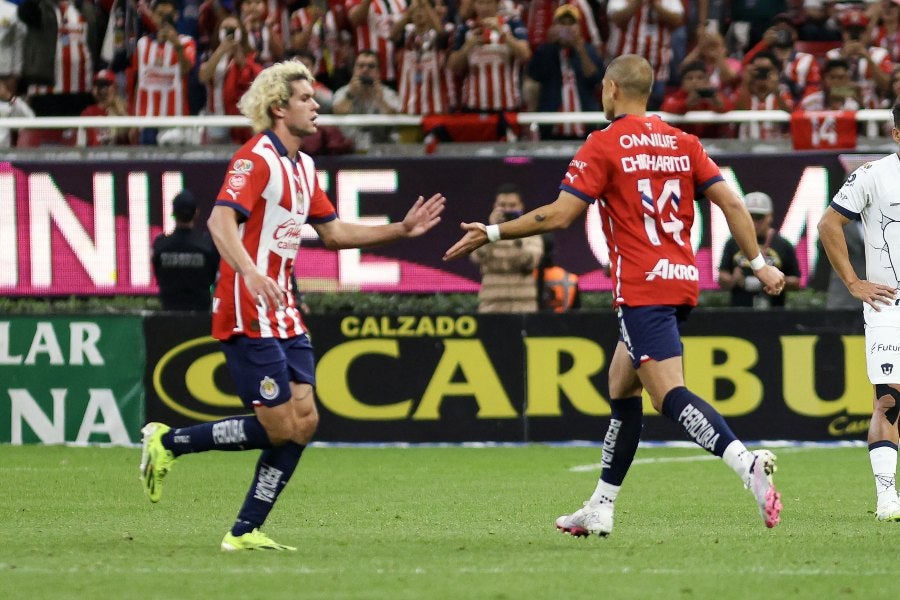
(156,461)
(590,519)
(888,510)
(254,540)
(759,482)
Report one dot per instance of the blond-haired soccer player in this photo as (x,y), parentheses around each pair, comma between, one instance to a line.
(269,192)
(870,195)
(645,175)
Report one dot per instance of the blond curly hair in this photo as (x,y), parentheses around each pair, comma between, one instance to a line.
(271,87)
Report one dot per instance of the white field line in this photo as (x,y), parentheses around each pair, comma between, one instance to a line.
(220,569)
(701,457)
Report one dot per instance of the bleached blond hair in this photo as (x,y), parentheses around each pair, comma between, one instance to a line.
(272,87)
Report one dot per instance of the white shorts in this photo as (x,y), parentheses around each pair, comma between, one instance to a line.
(883,344)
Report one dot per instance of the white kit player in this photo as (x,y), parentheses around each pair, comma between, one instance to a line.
(872,195)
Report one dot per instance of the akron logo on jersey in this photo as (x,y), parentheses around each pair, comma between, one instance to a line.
(268,389)
(669,270)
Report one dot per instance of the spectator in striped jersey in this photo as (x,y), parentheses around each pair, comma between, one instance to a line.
(372,21)
(61,47)
(567,72)
(159,70)
(800,72)
(227,70)
(644,27)
(870,66)
(760,90)
(422,39)
(490,51)
(263,31)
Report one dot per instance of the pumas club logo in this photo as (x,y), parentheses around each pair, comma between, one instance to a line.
(268,389)
(887,368)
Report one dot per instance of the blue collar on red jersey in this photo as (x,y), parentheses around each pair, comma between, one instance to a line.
(276,142)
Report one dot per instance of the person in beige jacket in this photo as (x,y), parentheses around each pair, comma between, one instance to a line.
(507,266)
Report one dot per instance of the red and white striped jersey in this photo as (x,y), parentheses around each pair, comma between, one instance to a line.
(275,196)
(160,88)
(375,33)
(493,78)
(861,72)
(323,41)
(74,67)
(765,130)
(260,40)
(889,41)
(803,69)
(571,101)
(644,35)
(646,175)
(425,84)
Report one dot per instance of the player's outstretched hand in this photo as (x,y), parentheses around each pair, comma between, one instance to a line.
(475,237)
(423,215)
(772,279)
(872,293)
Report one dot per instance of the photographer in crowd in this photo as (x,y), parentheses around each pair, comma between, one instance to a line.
(367,95)
(761,90)
(697,94)
(507,266)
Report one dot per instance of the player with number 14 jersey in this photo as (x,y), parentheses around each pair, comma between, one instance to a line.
(646,193)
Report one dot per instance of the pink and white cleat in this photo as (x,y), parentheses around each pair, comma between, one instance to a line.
(590,519)
(759,482)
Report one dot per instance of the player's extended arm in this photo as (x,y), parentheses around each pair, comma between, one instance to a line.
(831,232)
(741,226)
(223,227)
(423,215)
(556,215)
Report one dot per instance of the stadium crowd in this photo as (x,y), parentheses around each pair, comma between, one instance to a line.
(451,60)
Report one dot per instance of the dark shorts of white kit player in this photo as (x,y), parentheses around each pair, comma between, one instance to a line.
(652,332)
(262,368)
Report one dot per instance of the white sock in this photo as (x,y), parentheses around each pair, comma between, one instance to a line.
(605,493)
(738,458)
(884,468)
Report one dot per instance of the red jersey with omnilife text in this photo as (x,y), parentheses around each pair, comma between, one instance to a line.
(645,175)
(274,196)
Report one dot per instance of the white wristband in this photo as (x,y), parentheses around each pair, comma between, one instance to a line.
(493,232)
(758,263)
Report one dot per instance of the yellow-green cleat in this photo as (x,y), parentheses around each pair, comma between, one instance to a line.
(156,461)
(255,540)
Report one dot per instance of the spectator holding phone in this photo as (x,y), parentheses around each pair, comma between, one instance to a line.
(367,95)
(227,70)
(760,90)
(838,91)
(565,72)
(870,66)
(697,93)
(507,266)
(161,64)
(489,53)
(800,71)
(724,72)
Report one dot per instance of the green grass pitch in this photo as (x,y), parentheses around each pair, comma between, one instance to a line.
(447,522)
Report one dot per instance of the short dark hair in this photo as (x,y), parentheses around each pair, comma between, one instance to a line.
(508,188)
(769,55)
(835,63)
(184,207)
(896,114)
(690,67)
(368,52)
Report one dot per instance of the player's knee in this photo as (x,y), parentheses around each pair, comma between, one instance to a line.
(887,401)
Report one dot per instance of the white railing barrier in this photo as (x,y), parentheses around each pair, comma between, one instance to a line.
(873,118)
